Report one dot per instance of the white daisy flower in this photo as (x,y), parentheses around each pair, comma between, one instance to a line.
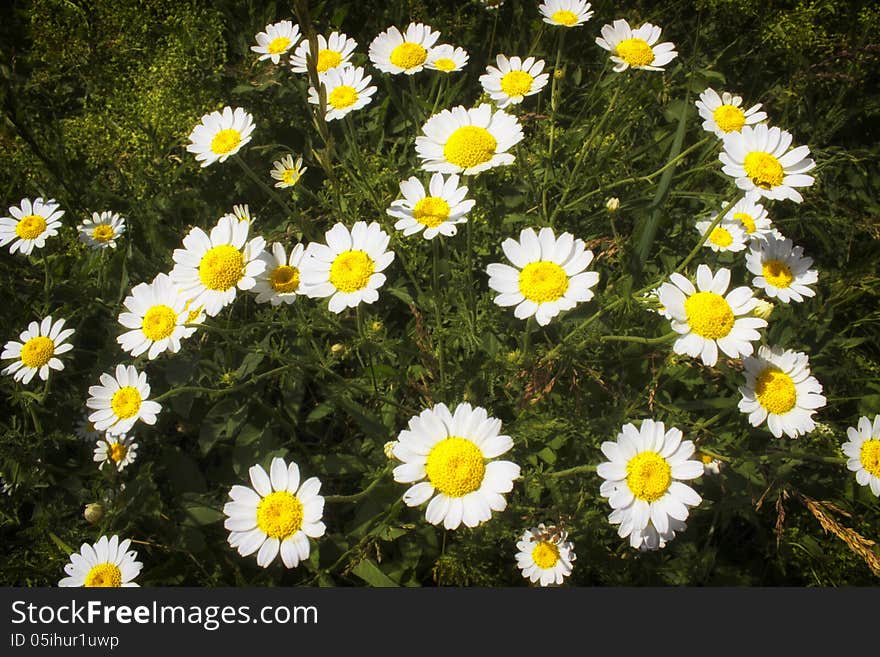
(108,562)
(549,274)
(643,478)
(751,215)
(723,113)
(287,172)
(240,213)
(652,301)
(30,224)
(781,270)
(85,429)
(711,466)
(38,351)
(209,269)
(348,269)
(863,453)
(724,237)
(280,280)
(636,48)
(513,79)
(435,214)
(121,400)
(566,13)
(545,555)
(393,52)
(334,52)
(277,515)
(156,314)
(347,90)
(780,390)
(468,141)
(452,455)
(446,58)
(758,157)
(220,135)
(101,231)
(115,451)
(276,40)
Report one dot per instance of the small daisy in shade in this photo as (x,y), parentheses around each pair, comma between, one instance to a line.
(101,231)
(279,281)
(393,52)
(347,90)
(636,48)
(220,134)
(709,320)
(38,350)
(85,429)
(156,314)
(468,141)
(490,5)
(780,390)
(446,58)
(711,466)
(566,13)
(277,515)
(863,452)
(121,400)
(115,451)
(751,215)
(781,270)
(108,562)
(545,555)
(452,455)
(209,269)
(758,157)
(276,40)
(513,79)
(241,213)
(30,224)
(348,269)
(549,274)
(723,113)
(724,237)
(287,172)
(643,483)
(435,212)
(333,53)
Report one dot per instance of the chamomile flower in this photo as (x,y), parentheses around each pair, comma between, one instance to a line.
(468,141)
(636,48)
(643,483)
(758,157)
(548,274)
(279,282)
(724,114)
(781,270)
(347,90)
(711,466)
(121,400)
(240,213)
(751,215)
(209,269)
(453,455)
(102,230)
(446,58)
(220,135)
(277,515)
(393,52)
(566,13)
(708,319)
(107,563)
(513,79)
(156,314)
(30,224)
(436,212)
(115,451)
(780,390)
(287,172)
(85,429)
(277,39)
(38,351)
(724,237)
(863,453)
(334,52)
(545,555)
(348,269)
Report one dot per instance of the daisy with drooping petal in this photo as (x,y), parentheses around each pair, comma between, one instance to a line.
(101,231)
(751,215)
(863,453)
(334,52)
(348,269)
(513,79)
(347,90)
(280,280)
(276,516)
(121,400)
(549,274)
(452,455)
(724,237)
(276,40)
(468,141)
(781,270)
(220,135)
(209,269)
(636,48)
(545,555)
(30,224)
(106,563)
(643,483)
(115,451)
(38,350)
(780,390)
(156,314)
(393,52)
(446,59)
(435,213)
(287,172)
(566,13)
(241,213)
(723,113)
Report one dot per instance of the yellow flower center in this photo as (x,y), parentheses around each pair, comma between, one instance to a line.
(516,83)
(775,391)
(225,141)
(721,237)
(706,459)
(469,146)
(36,352)
(747,221)
(764,170)
(278,45)
(221,268)
(102,233)
(351,271)
(648,476)
(104,574)
(635,52)
(455,466)
(431,211)
(126,402)
(284,279)
(342,96)
(445,64)
(408,55)
(280,514)
(159,322)
(328,59)
(30,227)
(545,554)
(870,456)
(777,273)
(290,176)
(565,17)
(117,452)
(709,315)
(729,118)
(542,281)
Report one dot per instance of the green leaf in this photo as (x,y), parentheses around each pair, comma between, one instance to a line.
(368,571)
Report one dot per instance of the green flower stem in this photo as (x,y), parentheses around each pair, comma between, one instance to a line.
(527,335)
(438,321)
(342,499)
(554,104)
(570,472)
(638,339)
(362,321)
(721,212)
(275,196)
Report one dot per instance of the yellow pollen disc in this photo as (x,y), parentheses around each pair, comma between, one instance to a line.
(351,271)
(290,176)
(408,55)
(221,268)
(102,233)
(36,352)
(776,391)
(469,146)
(747,221)
(126,402)
(635,52)
(431,211)
(543,281)
(870,456)
(706,459)
(445,64)
(777,273)
(709,315)
(565,17)
(278,45)
(545,554)
(648,476)
(516,83)
(284,279)
(117,452)
(764,170)
(729,118)
(159,322)
(104,574)
(30,227)
(721,237)
(225,141)
(328,59)
(455,466)
(280,514)
(342,96)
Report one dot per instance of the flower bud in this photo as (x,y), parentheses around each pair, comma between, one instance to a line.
(612,204)
(93,513)
(763,309)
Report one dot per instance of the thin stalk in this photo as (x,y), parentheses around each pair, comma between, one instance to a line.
(438,321)
(638,339)
(554,104)
(275,196)
(340,499)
